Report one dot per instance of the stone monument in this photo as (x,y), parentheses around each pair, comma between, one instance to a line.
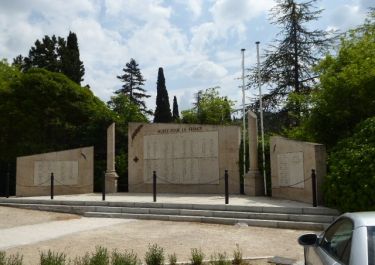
(73,172)
(253,181)
(187,158)
(111,176)
(291,165)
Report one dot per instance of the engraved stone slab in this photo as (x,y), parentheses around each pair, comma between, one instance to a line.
(182,158)
(65,172)
(290,168)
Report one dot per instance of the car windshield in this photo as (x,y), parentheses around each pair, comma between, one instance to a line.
(371,245)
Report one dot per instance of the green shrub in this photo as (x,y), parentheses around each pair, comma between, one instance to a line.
(197,256)
(126,258)
(100,256)
(52,258)
(11,260)
(172,259)
(154,255)
(220,259)
(351,177)
(85,260)
(237,256)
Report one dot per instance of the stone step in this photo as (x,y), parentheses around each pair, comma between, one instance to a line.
(79,209)
(214,220)
(221,207)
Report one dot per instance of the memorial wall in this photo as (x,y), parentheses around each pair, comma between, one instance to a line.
(291,165)
(73,172)
(186,158)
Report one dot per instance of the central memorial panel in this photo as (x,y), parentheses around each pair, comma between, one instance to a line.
(182,158)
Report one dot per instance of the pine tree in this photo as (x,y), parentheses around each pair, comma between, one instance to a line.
(71,65)
(287,64)
(176,113)
(55,55)
(163,109)
(43,55)
(133,82)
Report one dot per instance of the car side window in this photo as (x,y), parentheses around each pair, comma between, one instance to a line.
(337,240)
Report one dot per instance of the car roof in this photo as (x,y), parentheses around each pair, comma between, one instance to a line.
(361,218)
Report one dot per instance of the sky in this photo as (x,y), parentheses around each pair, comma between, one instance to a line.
(197,42)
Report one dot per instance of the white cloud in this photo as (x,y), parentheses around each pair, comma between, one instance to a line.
(195,6)
(209,70)
(230,13)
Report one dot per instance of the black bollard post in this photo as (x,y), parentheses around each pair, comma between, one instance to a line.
(154,185)
(52,185)
(7,184)
(226,187)
(313,181)
(103,187)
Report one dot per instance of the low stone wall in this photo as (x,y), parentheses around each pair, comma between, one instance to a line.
(187,158)
(73,172)
(291,165)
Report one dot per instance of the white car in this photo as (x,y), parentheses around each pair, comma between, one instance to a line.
(349,240)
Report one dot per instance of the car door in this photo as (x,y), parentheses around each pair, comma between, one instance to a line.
(334,245)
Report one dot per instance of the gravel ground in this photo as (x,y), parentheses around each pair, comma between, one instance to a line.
(177,237)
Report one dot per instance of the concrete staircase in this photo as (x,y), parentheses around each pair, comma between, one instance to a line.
(306,218)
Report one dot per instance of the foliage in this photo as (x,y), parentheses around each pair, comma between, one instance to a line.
(125,111)
(237,256)
(210,108)
(10,260)
(172,259)
(163,109)
(351,178)
(154,255)
(43,111)
(219,259)
(52,258)
(126,258)
(100,256)
(196,257)
(287,64)
(175,112)
(347,95)
(56,55)
(133,85)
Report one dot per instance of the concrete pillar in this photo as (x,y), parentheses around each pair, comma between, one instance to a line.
(253,181)
(111,175)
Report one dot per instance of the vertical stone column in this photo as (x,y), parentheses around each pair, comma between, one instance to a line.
(253,181)
(111,175)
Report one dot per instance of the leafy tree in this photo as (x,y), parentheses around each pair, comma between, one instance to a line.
(176,113)
(71,65)
(163,109)
(210,108)
(287,64)
(133,82)
(125,111)
(349,185)
(346,93)
(42,111)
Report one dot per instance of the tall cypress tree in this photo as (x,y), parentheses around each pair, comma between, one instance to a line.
(163,109)
(71,65)
(176,113)
(132,87)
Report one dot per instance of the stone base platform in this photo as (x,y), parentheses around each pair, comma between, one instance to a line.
(256,211)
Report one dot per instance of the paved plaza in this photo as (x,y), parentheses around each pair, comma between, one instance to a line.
(30,232)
